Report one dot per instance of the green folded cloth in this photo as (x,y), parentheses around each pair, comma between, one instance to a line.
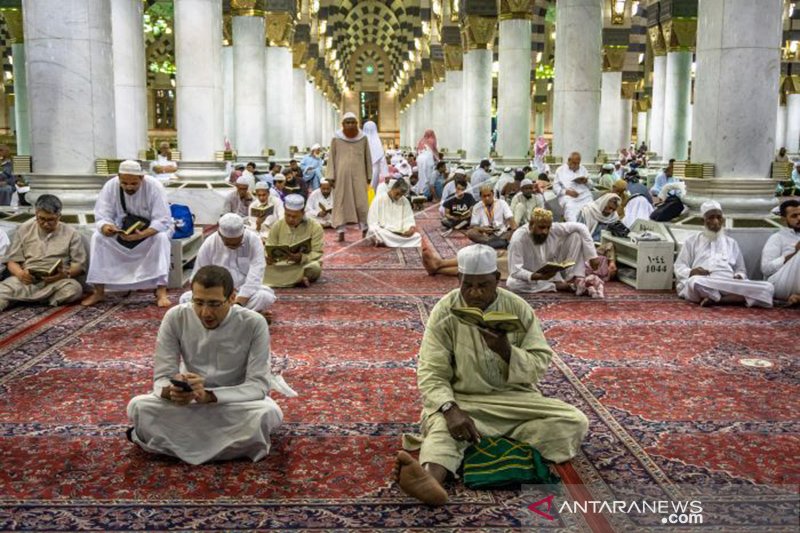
(497,462)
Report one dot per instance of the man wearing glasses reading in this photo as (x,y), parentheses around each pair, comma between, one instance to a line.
(44,258)
(212,378)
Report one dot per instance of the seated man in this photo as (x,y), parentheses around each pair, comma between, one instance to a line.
(664,178)
(241,252)
(780,262)
(36,247)
(141,259)
(606,179)
(319,206)
(477,382)
(541,242)
(301,269)
(239,200)
(163,168)
(710,268)
(390,220)
(458,208)
(525,201)
(311,166)
(220,351)
(492,220)
(265,199)
(572,187)
(481,175)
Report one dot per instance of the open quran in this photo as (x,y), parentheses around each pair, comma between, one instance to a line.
(52,271)
(281,252)
(548,270)
(493,320)
(262,211)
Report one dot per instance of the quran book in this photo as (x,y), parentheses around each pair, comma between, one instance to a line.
(41,274)
(496,320)
(281,252)
(549,270)
(324,210)
(133,227)
(262,211)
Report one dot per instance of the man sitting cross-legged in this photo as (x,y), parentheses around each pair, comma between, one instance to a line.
(210,398)
(39,245)
(710,268)
(478,382)
(390,220)
(300,269)
(543,241)
(492,221)
(241,252)
(780,262)
(319,205)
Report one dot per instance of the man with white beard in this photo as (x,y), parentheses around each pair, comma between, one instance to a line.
(710,268)
(571,185)
(780,262)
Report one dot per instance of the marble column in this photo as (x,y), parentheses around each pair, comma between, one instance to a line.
(439,95)
(736,92)
(279,99)
(513,89)
(22,121)
(780,128)
(299,115)
(455,110)
(130,78)
(318,119)
(477,104)
(249,97)
(578,62)
(540,121)
(228,107)
(71,106)
(641,128)
(427,113)
(677,99)
(312,135)
(792,123)
(657,112)
(612,114)
(198,56)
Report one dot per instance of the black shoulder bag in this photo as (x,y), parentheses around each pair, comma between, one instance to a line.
(129,221)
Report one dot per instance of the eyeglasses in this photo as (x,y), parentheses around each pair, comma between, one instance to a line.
(47,220)
(213,304)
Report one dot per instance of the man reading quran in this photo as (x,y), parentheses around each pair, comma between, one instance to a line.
(478,382)
(300,267)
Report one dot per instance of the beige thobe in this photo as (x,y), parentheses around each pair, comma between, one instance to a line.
(350,165)
(289,274)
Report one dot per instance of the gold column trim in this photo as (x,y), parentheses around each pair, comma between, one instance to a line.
(227,30)
(479,32)
(453,57)
(680,34)
(279,28)
(13,18)
(437,68)
(299,54)
(614,58)
(642,105)
(516,10)
(657,41)
(628,90)
(791,85)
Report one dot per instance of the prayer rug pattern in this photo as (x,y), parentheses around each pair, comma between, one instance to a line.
(675,410)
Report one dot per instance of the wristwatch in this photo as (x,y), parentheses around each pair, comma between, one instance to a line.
(446,406)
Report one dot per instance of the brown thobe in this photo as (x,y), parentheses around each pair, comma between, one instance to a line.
(350,165)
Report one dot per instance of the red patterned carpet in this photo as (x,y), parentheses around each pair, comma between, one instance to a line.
(674,412)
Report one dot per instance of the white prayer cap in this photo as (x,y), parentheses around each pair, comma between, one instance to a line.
(316,147)
(294,202)
(323,181)
(477,259)
(279,177)
(231,225)
(130,167)
(414,169)
(608,166)
(349,114)
(617,163)
(507,170)
(711,205)
(525,182)
(261,186)
(244,180)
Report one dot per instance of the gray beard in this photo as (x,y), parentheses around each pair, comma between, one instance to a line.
(713,236)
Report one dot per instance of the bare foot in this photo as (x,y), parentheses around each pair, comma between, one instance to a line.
(94,298)
(305,282)
(417,482)
(706,302)
(430,262)
(163,301)
(793,300)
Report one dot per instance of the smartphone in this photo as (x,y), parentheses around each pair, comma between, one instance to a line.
(184,386)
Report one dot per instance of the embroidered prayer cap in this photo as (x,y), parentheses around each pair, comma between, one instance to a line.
(525,182)
(711,205)
(294,202)
(130,167)
(540,214)
(261,186)
(231,225)
(477,260)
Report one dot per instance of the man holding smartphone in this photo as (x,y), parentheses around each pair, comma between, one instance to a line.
(212,378)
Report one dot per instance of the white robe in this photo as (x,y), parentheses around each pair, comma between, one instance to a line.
(637,208)
(147,265)
(246,265)
(4,243)
(478,178)
(563,182)
(162,161)
(501,215)
(723,259)
(240,422)
(312,207)
(387,216)
(426,165)
(784,275)
(567,241)
(277,214)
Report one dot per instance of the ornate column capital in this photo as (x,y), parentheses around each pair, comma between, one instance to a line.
(628,90)
(453,57)
(299,50)
(791,84)
(245,8)
(680,34)
(13,18)
(516,9)
(479,32)
(657,40)
(614,58)
(280,28)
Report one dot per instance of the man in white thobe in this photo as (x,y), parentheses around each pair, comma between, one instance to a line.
(144,262)
(710,268)
(319,205)
(541,242)
(163,168)
(265,199)
(242,253)
(492,221)
(212,378)
(480,176)
(572,188)
(390,220)
(780,262)
(239,201)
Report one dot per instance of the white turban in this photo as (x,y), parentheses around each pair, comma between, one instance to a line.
(347,115)
(231,225)
(525,182)
(710,206)
(294,202)
(477,259)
